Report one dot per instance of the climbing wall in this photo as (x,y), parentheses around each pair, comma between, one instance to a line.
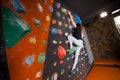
(59,59)
(26,26)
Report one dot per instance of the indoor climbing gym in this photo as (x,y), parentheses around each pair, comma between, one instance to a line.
(60,40)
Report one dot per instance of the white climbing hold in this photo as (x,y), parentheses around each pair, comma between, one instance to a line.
(55,42)
(38,74)
(40,7)
(66,34)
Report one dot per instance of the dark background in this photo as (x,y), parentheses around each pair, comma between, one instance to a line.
(88,9)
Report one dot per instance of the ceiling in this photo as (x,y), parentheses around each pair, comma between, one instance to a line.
(88,9)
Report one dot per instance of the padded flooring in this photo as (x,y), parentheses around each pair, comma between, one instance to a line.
(104,73)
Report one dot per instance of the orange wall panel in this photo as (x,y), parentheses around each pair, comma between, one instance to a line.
(17,55)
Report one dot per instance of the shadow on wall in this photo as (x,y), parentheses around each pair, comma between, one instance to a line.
(104,39)
(4,73)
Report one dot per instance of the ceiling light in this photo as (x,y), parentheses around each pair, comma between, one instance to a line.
(103,14)
(115,11)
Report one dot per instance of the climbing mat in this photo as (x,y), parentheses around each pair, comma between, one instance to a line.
(59,59)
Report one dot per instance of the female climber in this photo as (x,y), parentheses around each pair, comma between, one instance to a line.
(76,38)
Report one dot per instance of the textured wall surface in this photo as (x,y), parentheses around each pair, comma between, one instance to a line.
(59,57)
(104,39)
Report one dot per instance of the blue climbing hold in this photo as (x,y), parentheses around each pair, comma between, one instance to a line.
(18,6)
(44,1)
(54,31)
(68,59)
(29,60)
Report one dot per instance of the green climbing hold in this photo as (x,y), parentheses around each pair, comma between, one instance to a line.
(41,58)
(58,14)
(37,23)
(71,51)
(44,42)
(15,29)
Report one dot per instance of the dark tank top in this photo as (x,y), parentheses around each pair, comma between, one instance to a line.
(77,31)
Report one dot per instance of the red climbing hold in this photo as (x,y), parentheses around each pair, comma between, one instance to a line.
(61,62)
(61,52)
(59,32)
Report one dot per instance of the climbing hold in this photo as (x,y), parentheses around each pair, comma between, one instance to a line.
(41,58)
(66,34)
(40,7)
(28,79)
(54,53)
(60,42)
(80,72)
(32,40)
(69,76)
(29,60)
(46,30)
(63,18)
(73,72)
(47,18)
(82,64)
(68,59)
(18,7)
(54,42)
(66,25)
(59,32)
(38,74)
(58,14)
(51,9)
(71,51)
(14,28)
(44,42)
(48,78)
(64,10)
(59,23)
(54,31)
(61,52)
(53,21)
(69,67)
(77,69)
(86,54)
(45,1)
(51,1)
(57,5)
(81,58)
(62,71)
(55,63)
(61,62)
(37,23)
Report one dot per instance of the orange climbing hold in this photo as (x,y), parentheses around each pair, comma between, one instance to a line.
(53,21)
